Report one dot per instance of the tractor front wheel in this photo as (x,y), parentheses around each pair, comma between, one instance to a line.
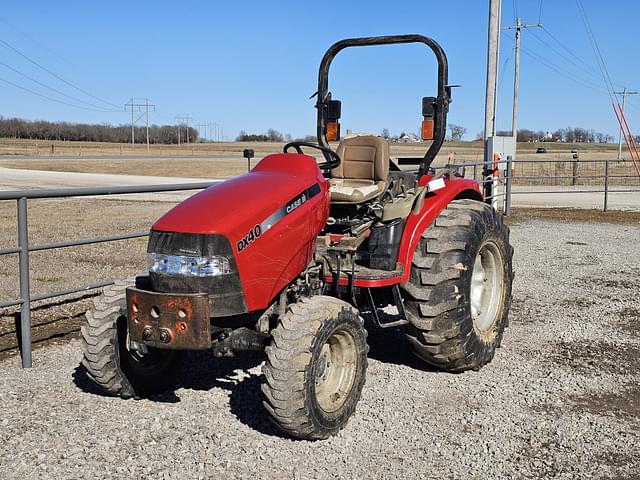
(116,365)
(316,366)
(457,298)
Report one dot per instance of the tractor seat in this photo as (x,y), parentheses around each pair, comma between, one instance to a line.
(362,174)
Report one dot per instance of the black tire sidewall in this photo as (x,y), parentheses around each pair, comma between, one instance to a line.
(493,234)
(160,377)
(333,421)
(487,226)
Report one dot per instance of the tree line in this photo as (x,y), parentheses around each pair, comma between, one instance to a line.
(271,136)
(566,135)
(43,130)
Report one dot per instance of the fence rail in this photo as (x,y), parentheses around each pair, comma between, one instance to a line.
(503,177)
(23,249)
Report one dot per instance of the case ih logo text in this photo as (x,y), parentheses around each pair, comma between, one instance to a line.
(296,203)
(249,238)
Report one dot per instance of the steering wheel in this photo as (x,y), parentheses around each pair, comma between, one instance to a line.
(331,162)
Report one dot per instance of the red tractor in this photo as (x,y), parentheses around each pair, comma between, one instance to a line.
(290,258)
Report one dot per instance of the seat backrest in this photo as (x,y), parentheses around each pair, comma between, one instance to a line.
(363,157)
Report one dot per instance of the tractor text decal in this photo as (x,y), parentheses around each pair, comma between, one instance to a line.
(249,238)
(289,207)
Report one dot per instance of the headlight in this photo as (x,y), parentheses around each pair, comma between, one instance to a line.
(188,266)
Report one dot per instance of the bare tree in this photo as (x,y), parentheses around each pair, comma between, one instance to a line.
(456,132)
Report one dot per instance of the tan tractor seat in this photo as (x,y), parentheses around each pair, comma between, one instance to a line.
(363,173)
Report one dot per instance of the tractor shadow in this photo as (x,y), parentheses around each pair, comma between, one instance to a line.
(390,346)
(236,375)
(203,372)
(240,377)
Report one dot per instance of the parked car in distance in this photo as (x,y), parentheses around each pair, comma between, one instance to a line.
(541,150)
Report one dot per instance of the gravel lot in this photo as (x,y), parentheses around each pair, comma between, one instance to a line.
(560,400)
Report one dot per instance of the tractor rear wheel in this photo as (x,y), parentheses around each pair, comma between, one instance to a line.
(116,365)
(316,366)
(458,296)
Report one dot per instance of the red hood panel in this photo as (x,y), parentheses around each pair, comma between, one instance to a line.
(243,201)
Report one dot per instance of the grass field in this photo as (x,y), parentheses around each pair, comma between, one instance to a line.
(466,151)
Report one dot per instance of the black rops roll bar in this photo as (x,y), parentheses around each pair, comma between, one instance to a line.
(442,101)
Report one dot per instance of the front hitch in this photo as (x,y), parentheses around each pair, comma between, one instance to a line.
(172,321)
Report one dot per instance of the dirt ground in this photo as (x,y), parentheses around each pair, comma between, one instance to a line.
(560,400)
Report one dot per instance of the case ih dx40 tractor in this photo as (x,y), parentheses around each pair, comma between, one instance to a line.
(291,256)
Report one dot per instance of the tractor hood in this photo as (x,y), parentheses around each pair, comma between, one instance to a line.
(234,206)
(265,224)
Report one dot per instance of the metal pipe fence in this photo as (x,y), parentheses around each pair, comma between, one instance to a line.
(23,249)
(502,177)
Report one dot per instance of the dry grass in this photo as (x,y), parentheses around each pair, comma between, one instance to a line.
(564,215)
(68,219)
(224,160)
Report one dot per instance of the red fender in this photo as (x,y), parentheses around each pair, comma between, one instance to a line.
(416,223)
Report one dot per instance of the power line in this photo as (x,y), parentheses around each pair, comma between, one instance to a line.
(40,94)
(596,50)
(540,13)
(552,66)
(502,70)
(562,45)
(97,108)
(44,47)
(56,75)
(588,71)
(568,76)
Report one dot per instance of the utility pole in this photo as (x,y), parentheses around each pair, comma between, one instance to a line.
(185,118)
(493,50)
(137,106)
(625,93)
(216,132)
(516,77)
(204,128)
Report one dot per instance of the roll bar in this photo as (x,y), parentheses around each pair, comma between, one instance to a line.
(442,101)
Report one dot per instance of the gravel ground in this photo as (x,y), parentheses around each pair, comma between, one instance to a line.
(560,400)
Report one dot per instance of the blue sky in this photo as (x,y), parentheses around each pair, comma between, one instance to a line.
(252,65)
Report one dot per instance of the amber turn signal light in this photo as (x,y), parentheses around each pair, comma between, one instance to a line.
(333,131)
(426,132)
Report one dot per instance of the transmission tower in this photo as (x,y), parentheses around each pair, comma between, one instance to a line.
(141,106)
(186,119)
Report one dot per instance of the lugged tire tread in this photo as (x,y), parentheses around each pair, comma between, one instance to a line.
(287,358)
(441,330)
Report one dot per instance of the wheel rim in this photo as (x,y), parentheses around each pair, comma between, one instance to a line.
(487,281)
(335,371)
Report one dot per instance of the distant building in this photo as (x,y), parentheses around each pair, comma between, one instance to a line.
(408,138)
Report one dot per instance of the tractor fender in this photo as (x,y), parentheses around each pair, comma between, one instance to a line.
(417,222)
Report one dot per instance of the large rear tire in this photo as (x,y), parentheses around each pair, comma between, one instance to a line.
(117,366)
(316,367)
(458,296)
